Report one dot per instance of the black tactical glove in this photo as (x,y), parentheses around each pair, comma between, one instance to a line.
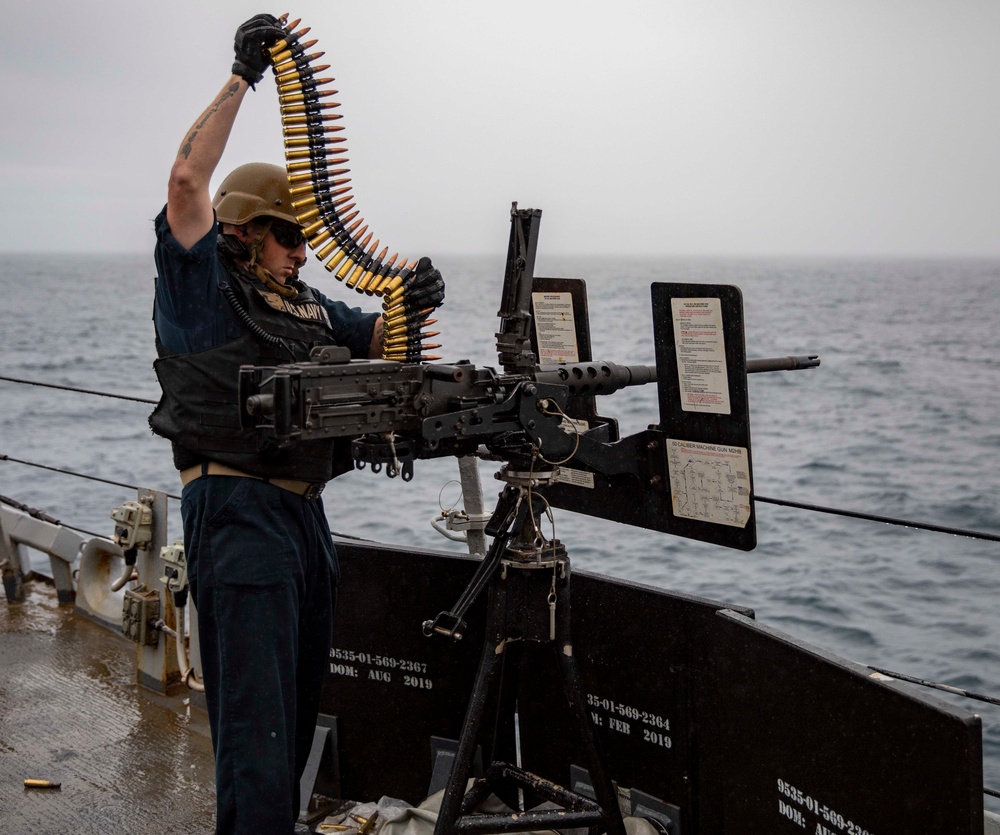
(425,287)
(252,40)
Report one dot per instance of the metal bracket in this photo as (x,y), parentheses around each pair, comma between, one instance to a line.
(140,610)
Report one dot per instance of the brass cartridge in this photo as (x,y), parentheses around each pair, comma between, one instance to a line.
(363,262)
(307,164)
(371,272)
(285,66)
(331,265)
(294,50)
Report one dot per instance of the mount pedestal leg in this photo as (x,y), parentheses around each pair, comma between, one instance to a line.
(528,602)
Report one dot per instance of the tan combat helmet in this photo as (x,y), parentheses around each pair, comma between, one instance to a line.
(257,189)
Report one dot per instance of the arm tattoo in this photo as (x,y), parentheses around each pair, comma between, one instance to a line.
(227,94)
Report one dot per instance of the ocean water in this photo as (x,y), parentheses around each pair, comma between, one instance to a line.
(901,419)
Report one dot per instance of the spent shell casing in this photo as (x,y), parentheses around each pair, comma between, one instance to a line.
(368,825)
(34,783)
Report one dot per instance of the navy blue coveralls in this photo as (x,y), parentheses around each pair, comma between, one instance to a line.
(262,568)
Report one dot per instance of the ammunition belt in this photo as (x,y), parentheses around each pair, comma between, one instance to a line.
(315,156)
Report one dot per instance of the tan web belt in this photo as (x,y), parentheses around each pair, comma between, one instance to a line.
(308,490)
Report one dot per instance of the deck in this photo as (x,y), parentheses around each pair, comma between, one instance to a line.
(71,712)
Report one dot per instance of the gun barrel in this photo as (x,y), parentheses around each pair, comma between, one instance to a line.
(782,364)
(601,377)
(597,377)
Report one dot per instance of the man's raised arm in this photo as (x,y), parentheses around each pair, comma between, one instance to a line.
(189,204)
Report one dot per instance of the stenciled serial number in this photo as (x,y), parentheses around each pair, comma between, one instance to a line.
(837,823)
(387,662)
(654,720)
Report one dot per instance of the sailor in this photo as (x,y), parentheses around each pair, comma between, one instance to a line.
(261,561)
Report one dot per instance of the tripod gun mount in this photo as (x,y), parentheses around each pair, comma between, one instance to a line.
(689,474)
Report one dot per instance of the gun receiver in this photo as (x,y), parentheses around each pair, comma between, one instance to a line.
(437,409)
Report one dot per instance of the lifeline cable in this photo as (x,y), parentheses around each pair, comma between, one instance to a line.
(78,475)
(324,205)
(81,391)
(872,517)
(947,688)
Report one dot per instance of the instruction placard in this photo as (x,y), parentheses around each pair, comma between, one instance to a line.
(555,327)
(701,355)
(709,482)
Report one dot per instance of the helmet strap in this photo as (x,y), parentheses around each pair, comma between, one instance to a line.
(256,250)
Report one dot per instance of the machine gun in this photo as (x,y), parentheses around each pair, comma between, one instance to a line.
(688,474)
(542,416)
(430,410)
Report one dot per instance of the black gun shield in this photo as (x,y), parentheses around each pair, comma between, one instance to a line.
(739,726)
(746,729)
(644,496)
(389,686)
(685,363)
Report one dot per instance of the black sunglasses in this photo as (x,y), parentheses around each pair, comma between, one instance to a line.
(290,237)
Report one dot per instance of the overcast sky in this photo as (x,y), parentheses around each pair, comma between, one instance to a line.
(729,127)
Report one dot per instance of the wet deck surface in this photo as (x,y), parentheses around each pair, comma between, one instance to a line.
(71,712)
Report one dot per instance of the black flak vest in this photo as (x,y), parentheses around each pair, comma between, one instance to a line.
(199,410)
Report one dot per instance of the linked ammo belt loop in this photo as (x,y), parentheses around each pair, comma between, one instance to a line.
(308,490)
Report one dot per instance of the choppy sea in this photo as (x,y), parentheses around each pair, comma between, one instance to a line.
(900,419)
